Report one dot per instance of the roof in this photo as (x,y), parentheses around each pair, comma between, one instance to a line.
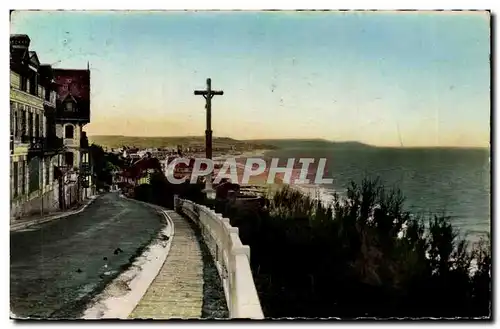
(136,169)
(76,82)
(34,58)
(46,71)
(68,95)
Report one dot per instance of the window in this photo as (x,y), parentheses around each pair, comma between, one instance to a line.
(47,171)
(15,173)
(47,94)
(34,177)
(37,125)
(69,107)
(24,83)
(13,127)
(42,126)
(30,124)
(50,126)
(22,128)
(69,131)
(68,159)
(33,86)
(23,177)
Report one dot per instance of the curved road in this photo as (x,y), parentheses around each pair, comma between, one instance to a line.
(57,266)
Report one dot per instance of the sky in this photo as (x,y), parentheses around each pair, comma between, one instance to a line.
(382,78)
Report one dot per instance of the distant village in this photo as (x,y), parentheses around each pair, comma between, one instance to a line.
(133,152)
(141,164)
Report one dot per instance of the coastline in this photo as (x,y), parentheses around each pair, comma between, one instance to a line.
(260,181)
(247,154)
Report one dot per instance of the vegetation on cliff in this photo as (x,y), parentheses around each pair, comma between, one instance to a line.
(361,256)
(364,256)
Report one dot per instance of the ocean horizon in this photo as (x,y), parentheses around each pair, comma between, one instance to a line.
(449,181)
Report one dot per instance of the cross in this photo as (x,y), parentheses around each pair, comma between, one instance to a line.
(208,94)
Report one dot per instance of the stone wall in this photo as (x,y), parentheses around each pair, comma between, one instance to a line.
(231,258)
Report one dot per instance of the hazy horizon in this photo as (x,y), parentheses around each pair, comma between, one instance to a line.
(420,79)
(287,139)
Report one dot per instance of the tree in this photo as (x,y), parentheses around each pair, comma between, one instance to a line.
(104,164)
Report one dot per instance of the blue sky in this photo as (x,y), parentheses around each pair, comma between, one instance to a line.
(334,75)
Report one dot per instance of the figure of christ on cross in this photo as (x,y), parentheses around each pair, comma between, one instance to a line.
(208,94)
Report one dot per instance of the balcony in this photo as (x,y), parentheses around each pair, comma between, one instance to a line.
(70,142)
(49,102)
(38,146)
(79,114)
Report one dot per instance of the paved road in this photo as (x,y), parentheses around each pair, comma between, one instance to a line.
(57,266)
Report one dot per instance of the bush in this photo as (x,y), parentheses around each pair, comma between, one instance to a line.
(362,256)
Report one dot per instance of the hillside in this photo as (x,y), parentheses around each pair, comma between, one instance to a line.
(163,142)
(309,143)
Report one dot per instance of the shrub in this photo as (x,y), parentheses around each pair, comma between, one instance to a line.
(360,256)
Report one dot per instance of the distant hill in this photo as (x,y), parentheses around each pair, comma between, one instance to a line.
(309,143)
(113,141)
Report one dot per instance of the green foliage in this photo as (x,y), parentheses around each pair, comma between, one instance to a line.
(360,256)
(103,164)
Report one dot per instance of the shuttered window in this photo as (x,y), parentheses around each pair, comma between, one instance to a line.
(37,125)
(47,171)
(15,173)
(22,177)
(22,122)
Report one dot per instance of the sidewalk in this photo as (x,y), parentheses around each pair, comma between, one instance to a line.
(177,290)
(26,222)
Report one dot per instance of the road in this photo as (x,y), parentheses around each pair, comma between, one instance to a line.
(58,266)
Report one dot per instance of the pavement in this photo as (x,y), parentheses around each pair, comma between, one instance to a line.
(188,285)
(59,265)
(23,223)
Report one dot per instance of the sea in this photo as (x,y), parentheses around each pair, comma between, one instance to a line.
(450,181)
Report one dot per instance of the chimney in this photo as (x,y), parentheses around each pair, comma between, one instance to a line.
(19,45)
(19,41)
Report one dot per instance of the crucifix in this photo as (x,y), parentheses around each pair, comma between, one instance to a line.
(208,94)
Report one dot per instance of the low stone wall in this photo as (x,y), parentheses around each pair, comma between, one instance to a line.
(231,258)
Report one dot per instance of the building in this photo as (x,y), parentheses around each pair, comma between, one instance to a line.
(139,172)
(34,147)
(72,114)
